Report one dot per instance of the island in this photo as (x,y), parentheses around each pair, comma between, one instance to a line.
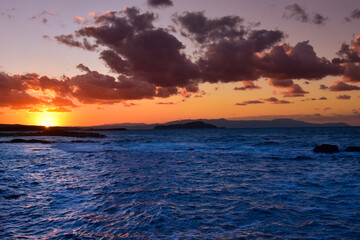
(189,125)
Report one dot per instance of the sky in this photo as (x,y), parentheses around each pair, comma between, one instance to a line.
(83,63)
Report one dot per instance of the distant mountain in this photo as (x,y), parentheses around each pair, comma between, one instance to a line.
(220,123)
(189,125)
(224,123)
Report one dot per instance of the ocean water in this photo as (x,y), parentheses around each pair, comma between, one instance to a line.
(183,184)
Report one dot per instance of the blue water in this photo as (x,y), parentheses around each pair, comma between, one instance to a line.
(183,184)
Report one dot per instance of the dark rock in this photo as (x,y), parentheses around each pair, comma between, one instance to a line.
(326,148)
(12,196)
(63,133)
(352,149)
(19,140)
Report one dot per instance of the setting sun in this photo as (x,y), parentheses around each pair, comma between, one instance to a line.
(47,120)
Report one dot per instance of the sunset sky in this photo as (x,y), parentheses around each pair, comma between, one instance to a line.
(81,63)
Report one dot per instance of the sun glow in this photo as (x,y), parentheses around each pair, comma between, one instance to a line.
(47,120)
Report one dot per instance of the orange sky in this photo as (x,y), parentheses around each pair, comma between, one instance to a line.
(104,64)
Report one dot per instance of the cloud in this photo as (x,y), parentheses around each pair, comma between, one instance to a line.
(323,87)
(160,3)
(43,15)
(349,53)
(165,103)
(295,91)
(237,59)
(80,20)
(7,14)
(34,110)
(83,68)
(292,89)
(135,49)
(247,86)
(298,62)
(93,87)
(350,59)
(323,98)
(341,86)
(343,97)
(352,73)
(355,14)
(70,41)
(297,12)
(58,109)
(276,101)
(13,92)
(244,103)
(318,19)
(202,29)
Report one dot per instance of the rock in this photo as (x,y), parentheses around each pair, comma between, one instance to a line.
(352,149)
(19,140)
(12,196)
(326,148)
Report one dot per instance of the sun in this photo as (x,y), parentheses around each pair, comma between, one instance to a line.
(47,120)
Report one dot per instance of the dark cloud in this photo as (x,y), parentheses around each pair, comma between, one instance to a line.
(70,41)
(160,3)
(352,73)
(341,86)
(94,87)
(83,68)
(343,97)
(13,92)
(238,59)
(281,82)
(202,29)
(244,103)
(137,50)
(247,86)
(292,89)
(349,53)
(295,91)
(319,19)
(276,101)
(298,62)
(355,14)
(323,98)
(323,87)
(297,12)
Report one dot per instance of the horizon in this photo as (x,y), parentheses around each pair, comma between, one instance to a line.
(134,124)
(114,62)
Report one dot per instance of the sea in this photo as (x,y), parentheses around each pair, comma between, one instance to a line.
(182,184)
